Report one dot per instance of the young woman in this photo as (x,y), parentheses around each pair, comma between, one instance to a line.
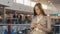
(41,23)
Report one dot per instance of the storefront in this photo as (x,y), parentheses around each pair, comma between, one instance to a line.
(55,19)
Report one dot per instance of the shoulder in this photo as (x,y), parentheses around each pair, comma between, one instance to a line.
(33,18)
(47,17)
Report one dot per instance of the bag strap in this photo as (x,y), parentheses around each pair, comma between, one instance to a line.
(46,23)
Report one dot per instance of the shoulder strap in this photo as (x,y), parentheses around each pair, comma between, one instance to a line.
(46,23)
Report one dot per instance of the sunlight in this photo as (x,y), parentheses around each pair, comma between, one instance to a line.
(30,3)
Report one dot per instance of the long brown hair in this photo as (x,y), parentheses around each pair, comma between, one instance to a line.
(40,7)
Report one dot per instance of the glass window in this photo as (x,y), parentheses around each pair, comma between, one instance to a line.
(33,4)
(27,2)
(44,6)
(19,1)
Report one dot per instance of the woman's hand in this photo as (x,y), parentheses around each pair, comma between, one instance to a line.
(39,26)
(33,25)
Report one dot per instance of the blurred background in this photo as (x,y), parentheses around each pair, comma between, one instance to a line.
(16,15)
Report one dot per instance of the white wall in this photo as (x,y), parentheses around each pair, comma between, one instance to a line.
(15,6)
(5,2)
(21,7)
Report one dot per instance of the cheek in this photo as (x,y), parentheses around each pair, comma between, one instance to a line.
(38,11)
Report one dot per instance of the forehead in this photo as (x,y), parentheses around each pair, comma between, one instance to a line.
(36,7)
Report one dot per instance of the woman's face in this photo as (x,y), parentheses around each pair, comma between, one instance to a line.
(37,10)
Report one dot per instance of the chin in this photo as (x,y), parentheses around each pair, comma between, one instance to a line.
(38,14)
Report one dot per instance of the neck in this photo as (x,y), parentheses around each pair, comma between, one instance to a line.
(40,15)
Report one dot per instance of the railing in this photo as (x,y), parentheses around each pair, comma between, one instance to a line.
(15,27)
(13,21)
(56,29)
